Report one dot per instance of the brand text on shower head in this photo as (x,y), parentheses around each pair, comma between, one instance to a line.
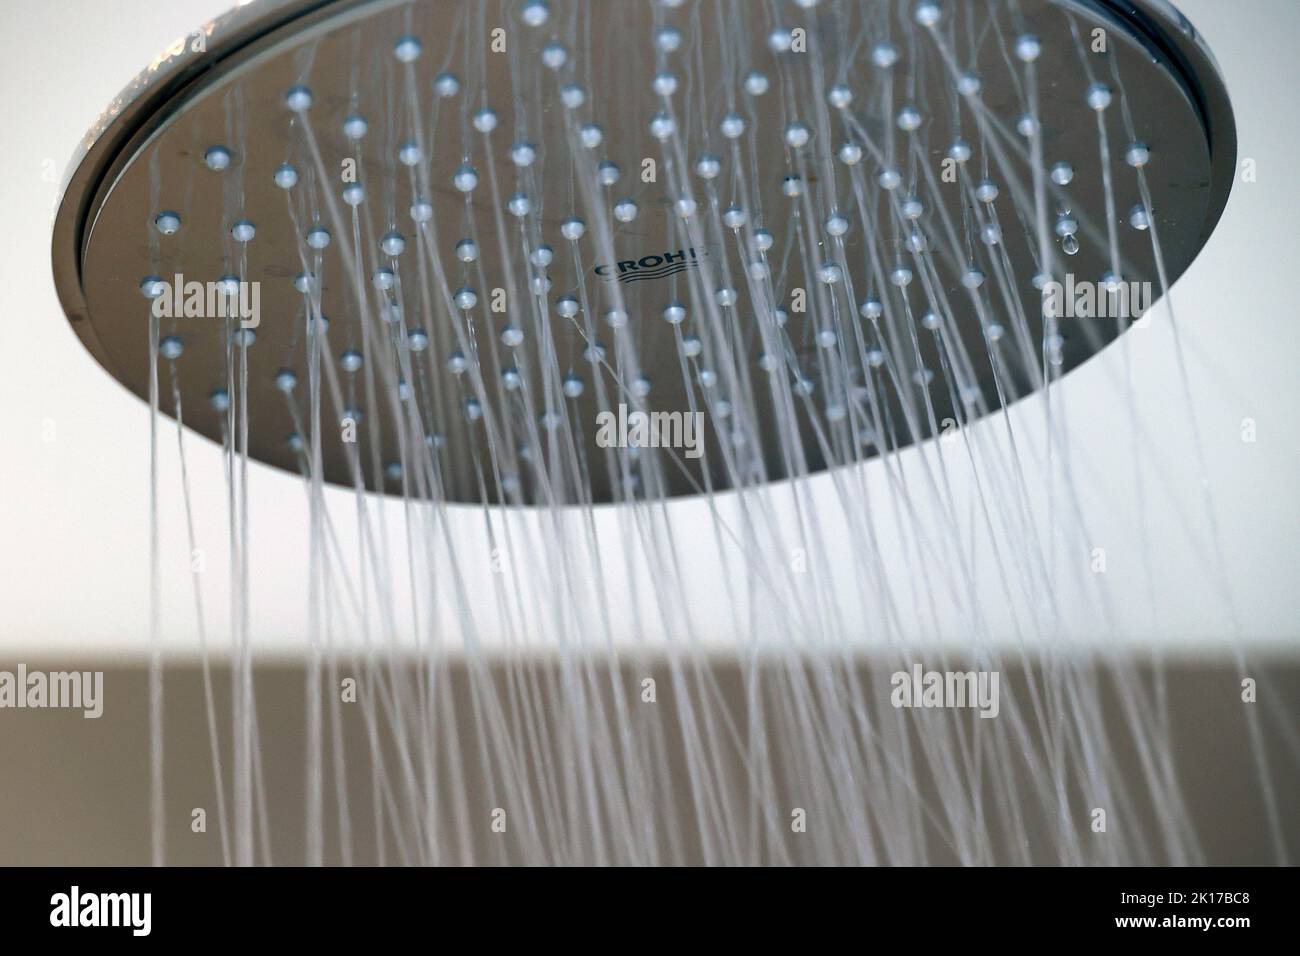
(655,265)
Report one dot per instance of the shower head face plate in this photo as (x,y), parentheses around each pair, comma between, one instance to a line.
(791,376)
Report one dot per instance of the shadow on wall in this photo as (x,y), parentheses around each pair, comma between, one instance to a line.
(76,790)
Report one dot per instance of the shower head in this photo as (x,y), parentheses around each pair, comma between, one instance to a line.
(486,237)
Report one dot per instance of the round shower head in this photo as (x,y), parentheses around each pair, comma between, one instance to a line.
(485,239)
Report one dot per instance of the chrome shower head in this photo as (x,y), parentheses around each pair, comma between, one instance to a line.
(826,227)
